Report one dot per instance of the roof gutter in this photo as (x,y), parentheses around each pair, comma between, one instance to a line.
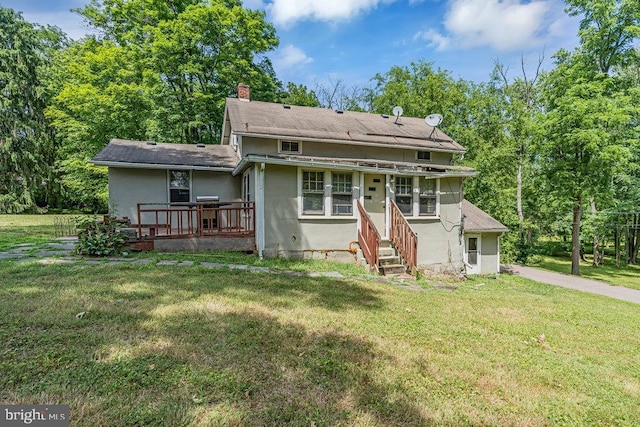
(160,166)
(346,141)
(253,158)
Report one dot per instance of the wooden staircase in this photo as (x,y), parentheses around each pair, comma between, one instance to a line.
(390,262)
(394,256)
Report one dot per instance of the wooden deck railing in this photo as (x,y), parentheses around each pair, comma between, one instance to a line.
(196,219)
(368,238)
(404,238)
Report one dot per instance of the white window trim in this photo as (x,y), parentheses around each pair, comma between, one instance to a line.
(169,184)
(280,150)
(477,267)
(415,211)
(328,185)
(416,198)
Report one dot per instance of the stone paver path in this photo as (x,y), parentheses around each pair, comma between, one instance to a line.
(62,252)
(577,283)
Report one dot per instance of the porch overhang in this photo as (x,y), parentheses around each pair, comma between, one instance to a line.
(360,165)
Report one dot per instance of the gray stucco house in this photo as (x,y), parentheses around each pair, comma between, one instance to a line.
(301,182)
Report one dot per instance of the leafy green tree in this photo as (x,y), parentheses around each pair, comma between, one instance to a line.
(199,50)
(581,151)
(104,94)
(26,139)
(421,90)
(299,95)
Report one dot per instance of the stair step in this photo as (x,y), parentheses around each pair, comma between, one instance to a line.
(387,252)
(389,260)
(393,269)
(386,243)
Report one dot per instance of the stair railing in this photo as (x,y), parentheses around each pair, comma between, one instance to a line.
(368,238)
(404,238)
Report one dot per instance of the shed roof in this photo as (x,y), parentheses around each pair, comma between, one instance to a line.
(121,152)
(475,219)
(277,120)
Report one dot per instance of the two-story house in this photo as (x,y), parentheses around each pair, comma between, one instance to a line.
(296,181)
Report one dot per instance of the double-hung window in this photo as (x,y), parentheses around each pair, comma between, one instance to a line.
(416,195)
(341,193)
(428,197)
(404,194)
(179,186)
(312,192)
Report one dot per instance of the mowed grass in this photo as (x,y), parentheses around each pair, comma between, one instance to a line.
(33,229)
(167,345)
(627,275)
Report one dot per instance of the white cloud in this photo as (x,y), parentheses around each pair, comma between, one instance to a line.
(504,25)
(289,57)
(287,12)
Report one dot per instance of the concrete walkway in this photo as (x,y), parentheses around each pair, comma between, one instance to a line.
(577,283)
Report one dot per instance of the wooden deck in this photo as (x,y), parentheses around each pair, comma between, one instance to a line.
(197,219)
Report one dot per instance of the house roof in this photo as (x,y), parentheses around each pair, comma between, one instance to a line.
(475,219)
(267,119)
(125,153)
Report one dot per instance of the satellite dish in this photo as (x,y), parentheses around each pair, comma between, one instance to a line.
(433,120)
(397,111)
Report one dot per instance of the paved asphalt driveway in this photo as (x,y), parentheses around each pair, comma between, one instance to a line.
(577,283)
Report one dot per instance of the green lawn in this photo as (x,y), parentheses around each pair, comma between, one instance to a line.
(35,229)
(627,275)
(167,345)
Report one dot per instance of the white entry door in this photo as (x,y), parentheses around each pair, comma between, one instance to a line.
(374,200)
(472,254)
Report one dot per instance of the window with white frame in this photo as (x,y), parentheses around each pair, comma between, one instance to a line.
(179,186)
(416,195)
(341,193)
(428,196)
(290,147)
(312,192)
(404,194)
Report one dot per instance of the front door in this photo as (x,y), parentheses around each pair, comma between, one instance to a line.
(472,254)
(374,200)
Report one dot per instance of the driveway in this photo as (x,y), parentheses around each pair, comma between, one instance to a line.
(576,283)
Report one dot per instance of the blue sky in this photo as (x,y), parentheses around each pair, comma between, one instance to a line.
(352,40)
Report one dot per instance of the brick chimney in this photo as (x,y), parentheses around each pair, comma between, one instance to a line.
(243,92)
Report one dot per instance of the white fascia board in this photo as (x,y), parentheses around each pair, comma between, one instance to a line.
(347,142)
(338,166)
(160,166)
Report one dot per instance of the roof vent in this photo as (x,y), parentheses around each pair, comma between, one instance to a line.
(200,145)
(339,111)
(151,143)
(287,107)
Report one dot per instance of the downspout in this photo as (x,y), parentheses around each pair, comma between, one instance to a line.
(260,241)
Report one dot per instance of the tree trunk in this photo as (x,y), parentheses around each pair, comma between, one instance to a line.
(575,236)
(616,242)
(636,239)
(596,252)
(519,193)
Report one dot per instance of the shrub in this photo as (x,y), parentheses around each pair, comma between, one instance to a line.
(100,237)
